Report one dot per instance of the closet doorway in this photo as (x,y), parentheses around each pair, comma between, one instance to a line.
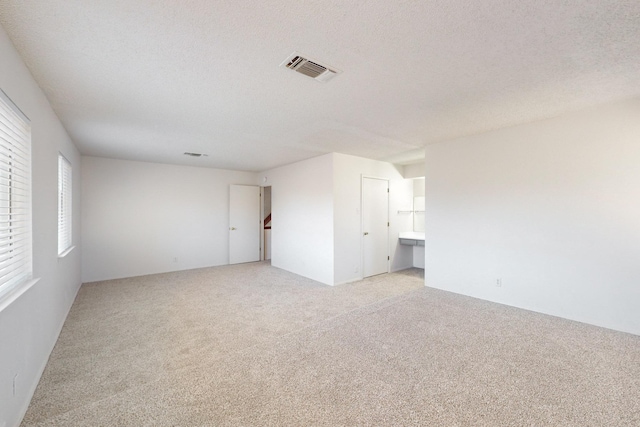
(266,223)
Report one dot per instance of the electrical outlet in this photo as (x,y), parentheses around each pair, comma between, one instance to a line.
(499,282)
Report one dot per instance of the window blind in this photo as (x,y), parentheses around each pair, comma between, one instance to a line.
(64,204)
(15,196)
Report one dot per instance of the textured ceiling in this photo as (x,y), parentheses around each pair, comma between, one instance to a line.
(150,79)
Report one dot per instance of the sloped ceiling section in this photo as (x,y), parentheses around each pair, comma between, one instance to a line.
(151,79)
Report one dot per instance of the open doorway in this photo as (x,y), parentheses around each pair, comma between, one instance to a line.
(266,223)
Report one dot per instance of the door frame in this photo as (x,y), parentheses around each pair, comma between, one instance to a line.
(262,216)
(362,178)
(261,223)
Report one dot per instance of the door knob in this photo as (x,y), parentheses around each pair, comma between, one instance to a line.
(232,228)
(366,233)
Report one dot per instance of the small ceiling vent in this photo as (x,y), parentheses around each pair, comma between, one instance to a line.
(313,69)
(195,154)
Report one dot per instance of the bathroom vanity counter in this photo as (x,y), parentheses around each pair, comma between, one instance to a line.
(412,238)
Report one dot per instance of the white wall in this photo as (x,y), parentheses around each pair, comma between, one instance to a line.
(138,217)
(418,207)
(30,325)
(414,170)
(418,256)
(348,171)
(418,186)
(302,217)
(552,208)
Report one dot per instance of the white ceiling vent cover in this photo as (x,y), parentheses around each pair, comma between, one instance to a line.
(308,67)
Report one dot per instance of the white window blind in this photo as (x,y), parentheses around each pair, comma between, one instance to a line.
(15,196)
(64,204)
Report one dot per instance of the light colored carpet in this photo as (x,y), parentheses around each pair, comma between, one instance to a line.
(252,345)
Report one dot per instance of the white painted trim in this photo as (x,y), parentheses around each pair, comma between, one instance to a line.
(65,253)
(7,299)
(347,282)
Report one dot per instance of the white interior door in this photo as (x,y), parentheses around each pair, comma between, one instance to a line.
(375,226)
(244,223)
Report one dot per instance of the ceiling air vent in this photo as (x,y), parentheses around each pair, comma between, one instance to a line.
(313,69)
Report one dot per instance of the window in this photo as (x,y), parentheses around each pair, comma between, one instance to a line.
(64,204)
(15,196)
